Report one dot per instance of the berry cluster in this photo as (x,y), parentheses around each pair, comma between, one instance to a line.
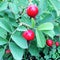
(32,11)
(49,42)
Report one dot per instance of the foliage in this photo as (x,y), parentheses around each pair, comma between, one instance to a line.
(14,21)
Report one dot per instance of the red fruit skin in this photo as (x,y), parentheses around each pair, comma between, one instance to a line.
(28,35)
(32,10)
(57,44)
(8,51)
(49,42)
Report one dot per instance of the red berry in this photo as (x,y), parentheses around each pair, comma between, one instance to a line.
(49,42)
(32,10)
(57,44)
(7,51)
(28,35)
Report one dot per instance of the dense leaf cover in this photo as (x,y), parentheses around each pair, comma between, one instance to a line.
(44,22)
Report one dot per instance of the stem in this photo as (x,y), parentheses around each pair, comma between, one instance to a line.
(9,40)
(14,31)
(24,24)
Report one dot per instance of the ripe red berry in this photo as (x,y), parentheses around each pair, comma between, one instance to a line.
(49,42)
(57,44)
(28,35)
(32,10)
(8,51)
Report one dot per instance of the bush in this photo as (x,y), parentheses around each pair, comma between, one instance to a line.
(29,29)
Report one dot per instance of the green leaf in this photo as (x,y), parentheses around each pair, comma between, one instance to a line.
(13,23)
(1,13)
(25,20)
(3,41)
(3,33)
(10,58)
(21,28)
(58,50)
(19,40)
(16,51)
(17,16)
(3,5)
(40,39)
(33,49)
(54,55)
(43,5)
(55,4)
(5,25)
(46,57)
(51,33)
(13,8)
(1,58)
(21,3)
(10,15)
(57,30)
(46,26)
(46,50)
(2,51)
